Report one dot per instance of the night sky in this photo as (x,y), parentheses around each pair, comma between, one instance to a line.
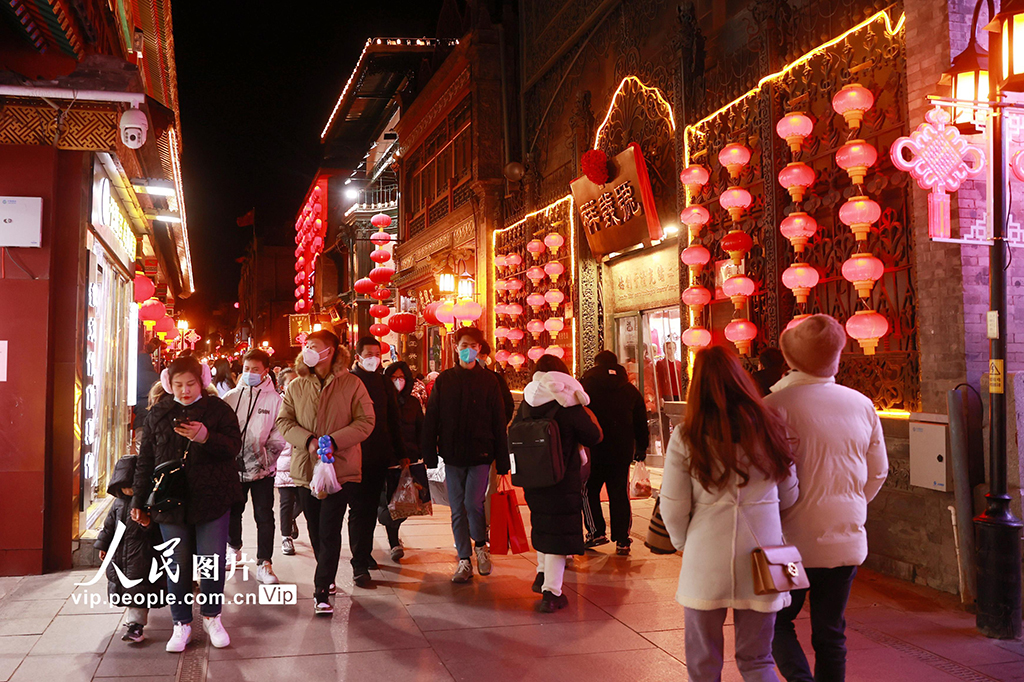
(255,89)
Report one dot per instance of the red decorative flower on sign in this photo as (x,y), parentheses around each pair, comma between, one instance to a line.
(595,166)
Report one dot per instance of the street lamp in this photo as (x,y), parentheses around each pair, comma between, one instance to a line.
(968,79)
(446,281)
(182,325)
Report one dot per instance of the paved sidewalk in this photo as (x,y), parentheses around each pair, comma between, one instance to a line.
(622,624)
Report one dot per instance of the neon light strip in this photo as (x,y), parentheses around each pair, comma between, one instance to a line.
(657,93)
(180,197)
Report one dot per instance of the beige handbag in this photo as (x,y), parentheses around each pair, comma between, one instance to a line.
(776,568)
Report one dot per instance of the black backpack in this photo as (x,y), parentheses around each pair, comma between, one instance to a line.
(535,449)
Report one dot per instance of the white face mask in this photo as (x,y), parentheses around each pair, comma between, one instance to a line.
(312,358)
(370,364)
(399,383)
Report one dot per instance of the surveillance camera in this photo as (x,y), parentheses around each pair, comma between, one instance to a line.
(133,128)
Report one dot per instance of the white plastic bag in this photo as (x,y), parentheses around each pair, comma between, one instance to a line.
(325,481)
(436,475)
(639,482)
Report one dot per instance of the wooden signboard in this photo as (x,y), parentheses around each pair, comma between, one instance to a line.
(620,213)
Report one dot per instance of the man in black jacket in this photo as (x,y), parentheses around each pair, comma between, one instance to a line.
(382,449)
(621,412)
(466,425)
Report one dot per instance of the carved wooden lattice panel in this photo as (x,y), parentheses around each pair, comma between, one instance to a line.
(876,59)
(80,129)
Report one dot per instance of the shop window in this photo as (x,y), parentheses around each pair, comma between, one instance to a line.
(442,163)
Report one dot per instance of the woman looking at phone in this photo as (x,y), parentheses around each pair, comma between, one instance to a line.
(200,431)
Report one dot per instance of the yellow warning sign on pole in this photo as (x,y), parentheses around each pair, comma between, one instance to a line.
(995,376)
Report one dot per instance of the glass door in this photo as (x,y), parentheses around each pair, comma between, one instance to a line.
(663,331)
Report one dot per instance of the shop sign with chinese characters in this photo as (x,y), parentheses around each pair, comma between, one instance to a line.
(620,213)
(645,281)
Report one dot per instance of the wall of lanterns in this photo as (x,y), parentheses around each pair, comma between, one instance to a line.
(310,231)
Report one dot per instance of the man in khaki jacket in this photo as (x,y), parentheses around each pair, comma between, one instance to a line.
(325,401)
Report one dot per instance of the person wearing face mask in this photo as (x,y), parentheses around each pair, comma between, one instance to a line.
(201,429)
(256,404)
(325,400)
(410,417)
(465,425)
(383,448)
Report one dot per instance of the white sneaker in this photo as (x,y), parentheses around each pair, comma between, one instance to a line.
(231,556)
(180,638)
(483,560)
(464,571)
(265,574)
(215,629)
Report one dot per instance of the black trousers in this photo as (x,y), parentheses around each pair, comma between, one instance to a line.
(614,476)
(362,517)
(829,592)
(390,524)
(262,491)
(290,508)
(324,519)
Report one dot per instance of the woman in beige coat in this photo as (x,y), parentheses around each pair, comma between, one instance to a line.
(728,471)
(325,400)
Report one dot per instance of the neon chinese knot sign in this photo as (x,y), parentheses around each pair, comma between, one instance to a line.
(939,163)
(192,338)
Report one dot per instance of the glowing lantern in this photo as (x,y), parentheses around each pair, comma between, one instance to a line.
(380,256)
(318,243)
(514,310)
(851,102)
(554,270)
(535,353)
(143,288)
(381,275)
(735,200)
(499,261)
(554,241)
(969,79)
(468,310)
(800,278)
(554,298)
(171,335)
(402,323)
(794,129)
(500,309)
(859,213)
(514,284)
(445,315)
(697,337)
(734,157)
(379,329)
(796,178)
(501,285)
(535,274)
(536,248)
(535,327)
(694,177)
(695,298)
(535,301)
(300,263)
(300,306)
(380,221)
(863,270)
(554,325)
(516,334)
(364,286)
(381,294)
(378,310)
(152,310)
(695,217)
(513,260)
(867,327)
(737,243)
(501,332)
(855,157)
(695,257)
(741,332)
(798,228)
(430,313)
(300,291)
(555,350)
(502,357)
(796,321)
(738,288)
(517,360)
(164,326)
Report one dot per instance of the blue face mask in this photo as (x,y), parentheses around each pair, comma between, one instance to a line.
(468,355)
(251,378)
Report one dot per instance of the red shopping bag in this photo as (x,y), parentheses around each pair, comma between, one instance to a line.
(499,521)
(516,531)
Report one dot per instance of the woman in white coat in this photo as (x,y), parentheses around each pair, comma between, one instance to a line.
(728,471)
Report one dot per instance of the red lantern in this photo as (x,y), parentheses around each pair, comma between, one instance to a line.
(695,298)
(556,351)
(300,306)
(739,288)
(143,288)
(499,261)
(554,298)
(851,102)
(867,327)
(467,309)
(152,310)
(501,332)
(535,274)
(380,256)
(517,360)
(516,334)
(695,217)
(172,335)
(863,270)
(855,157)
(513,284)
(535,327)
(514,310)
(800,278)
(734,157)
(500,309)
(535,301)
(318,243)
(164,325)
(381,294)
(536,248)
(796,178)
(535,353)
(735,200)
(741,332)
(697,337)
(513,260)
(794,128)
(694,177)
(502,357)
(554,325)
(379,329)
(798,228)
(554,241)
(382,275)
(430,314)
(380,238)
(364,286)
(380,221)
(696,257)
(501,285)
(737,243)
(445,313)
(554,270)
(796,321)
(402,323)
(859,213)
(378,310)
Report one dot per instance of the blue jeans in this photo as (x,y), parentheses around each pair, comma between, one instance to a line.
(467,495)
(705,644)
(211,539)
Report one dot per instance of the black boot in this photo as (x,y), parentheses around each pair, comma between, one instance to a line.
(538,583)
(550,603)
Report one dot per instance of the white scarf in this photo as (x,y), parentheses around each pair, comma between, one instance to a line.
(548,386)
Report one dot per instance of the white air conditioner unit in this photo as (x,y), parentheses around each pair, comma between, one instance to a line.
(21,222)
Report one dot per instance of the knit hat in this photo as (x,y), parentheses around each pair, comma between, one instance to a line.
(814,345)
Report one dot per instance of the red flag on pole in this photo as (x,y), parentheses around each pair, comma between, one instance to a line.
(248,219)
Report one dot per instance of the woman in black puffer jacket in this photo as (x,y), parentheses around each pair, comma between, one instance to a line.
(201,428)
